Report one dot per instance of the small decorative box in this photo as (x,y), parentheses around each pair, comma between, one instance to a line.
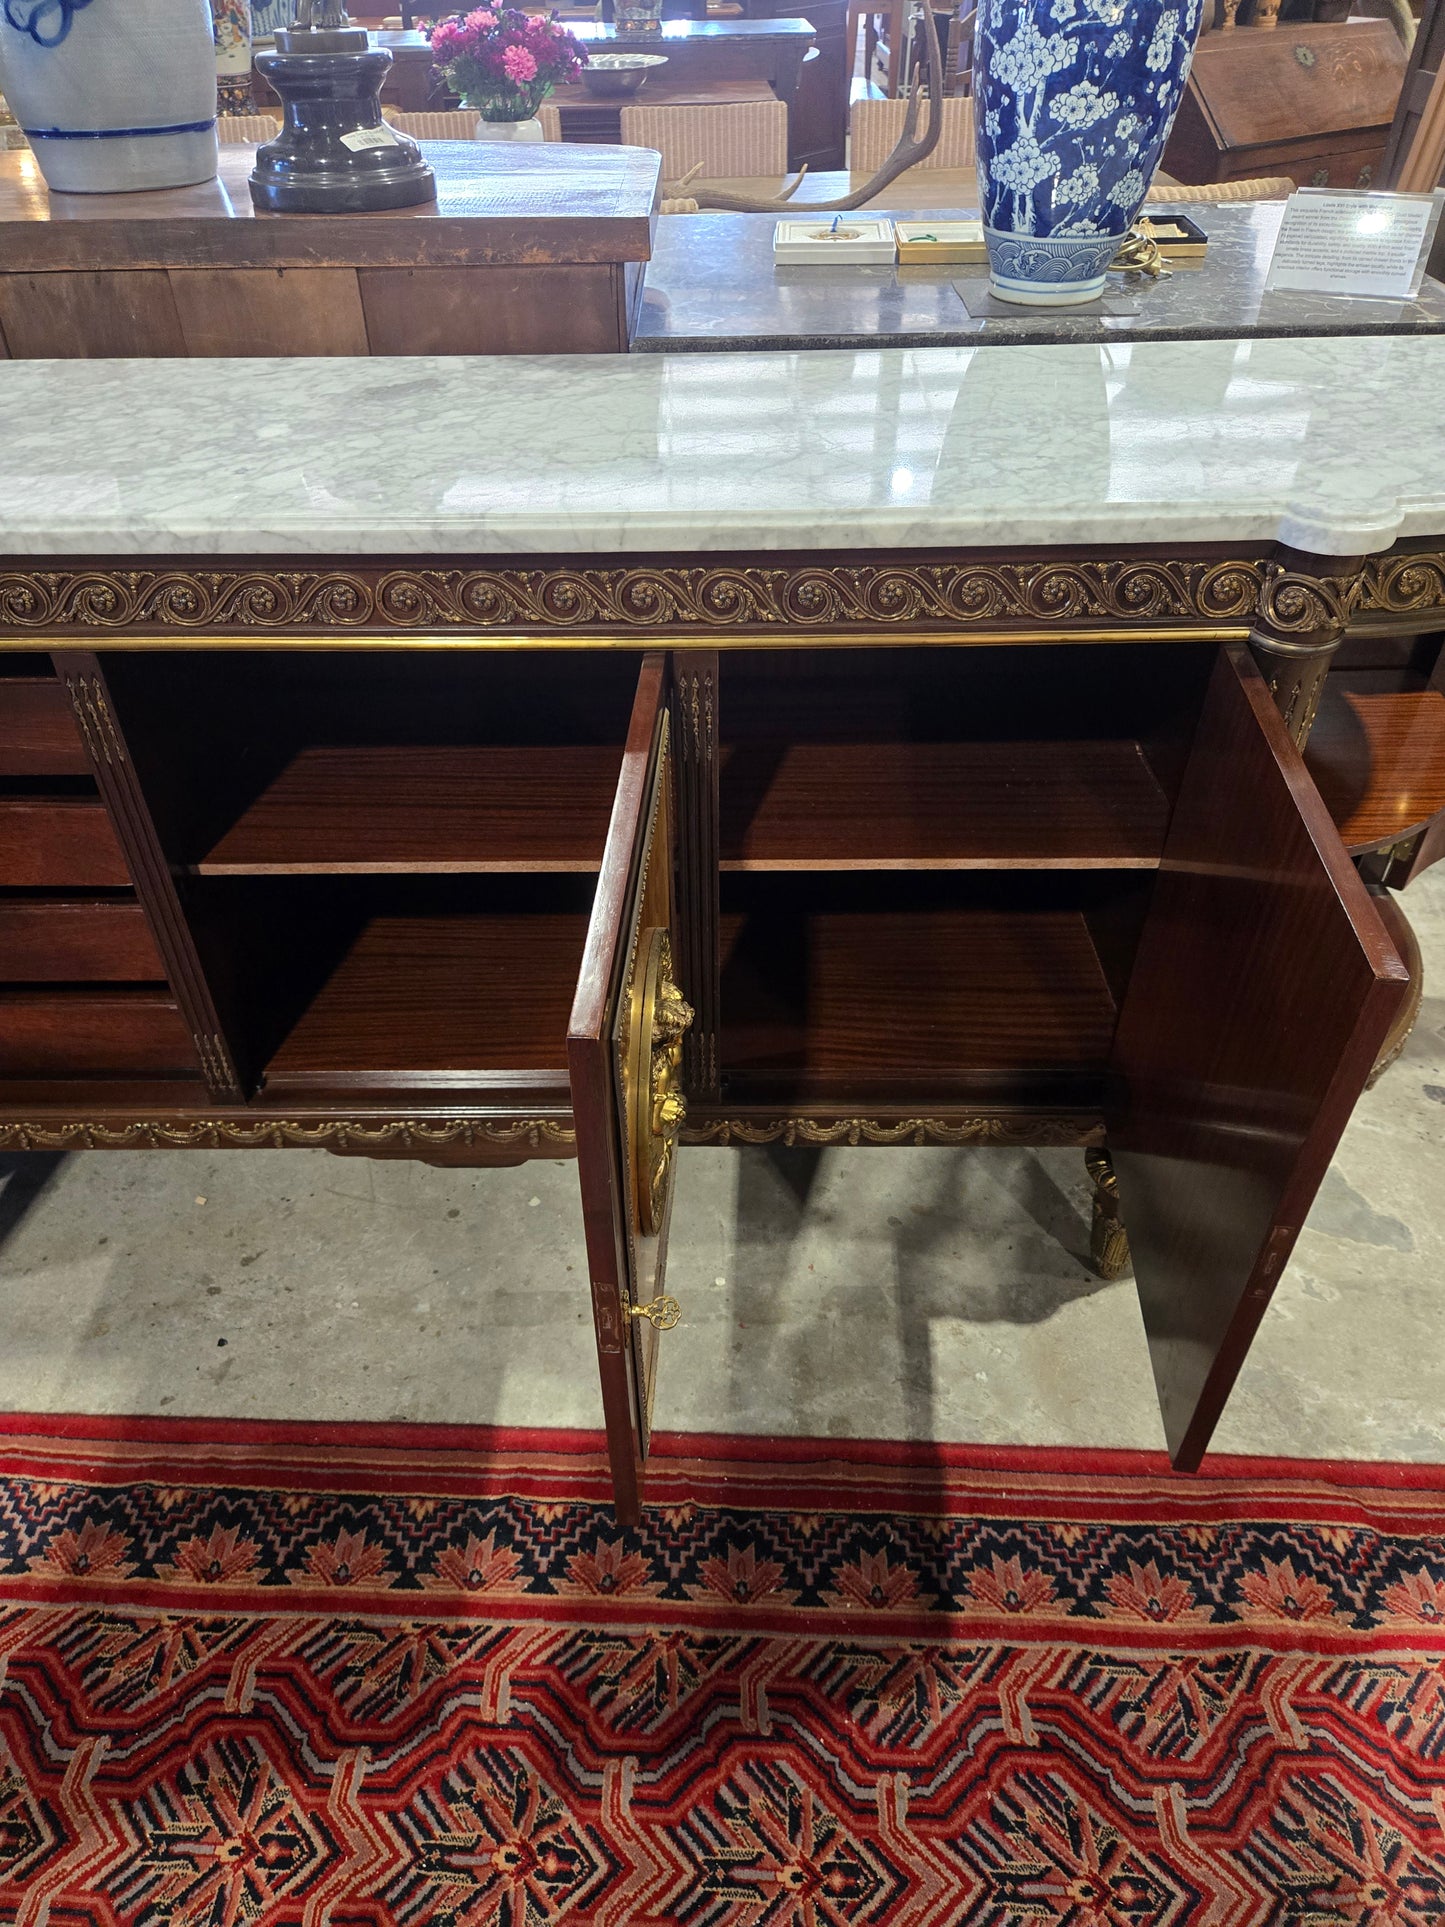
(828,238)
(1175,235)
(946,241)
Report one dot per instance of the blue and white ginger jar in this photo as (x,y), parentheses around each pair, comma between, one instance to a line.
(113,94)
(1075,99)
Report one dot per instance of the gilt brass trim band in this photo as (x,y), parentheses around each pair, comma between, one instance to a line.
(356,606)
(285,1134)
(545,1135)
(831,598)
(661,637)
(983,1128)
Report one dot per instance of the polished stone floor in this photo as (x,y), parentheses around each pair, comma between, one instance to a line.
(893,1293)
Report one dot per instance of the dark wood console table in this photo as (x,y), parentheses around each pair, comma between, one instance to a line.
(525,250)
(456,765)
(447,904)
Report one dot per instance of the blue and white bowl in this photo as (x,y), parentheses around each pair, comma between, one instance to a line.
(1075,99)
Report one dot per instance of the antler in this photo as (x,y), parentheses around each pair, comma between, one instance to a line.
(910,150)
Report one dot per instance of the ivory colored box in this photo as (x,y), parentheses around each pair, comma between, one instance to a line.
(823,241)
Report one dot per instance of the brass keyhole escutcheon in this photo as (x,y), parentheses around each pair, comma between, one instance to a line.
(656,1106)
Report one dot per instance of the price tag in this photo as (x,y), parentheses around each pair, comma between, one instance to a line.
(1354,243)
(369,137)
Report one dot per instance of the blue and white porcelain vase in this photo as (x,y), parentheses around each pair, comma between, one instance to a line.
(1075,99)
(113,94)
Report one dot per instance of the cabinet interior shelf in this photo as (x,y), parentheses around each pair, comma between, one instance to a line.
(425,809)
(825,991)
(452,997)
(975,805)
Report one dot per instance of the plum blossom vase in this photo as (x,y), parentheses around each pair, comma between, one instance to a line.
(1075,102)
(112,94)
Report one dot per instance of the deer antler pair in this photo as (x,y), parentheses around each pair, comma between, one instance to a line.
(910,150)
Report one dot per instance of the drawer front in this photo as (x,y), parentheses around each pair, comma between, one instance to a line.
(59,843)
(61,943)
(38,733)
(92,1033)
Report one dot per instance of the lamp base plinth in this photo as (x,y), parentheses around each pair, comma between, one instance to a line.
(335,154)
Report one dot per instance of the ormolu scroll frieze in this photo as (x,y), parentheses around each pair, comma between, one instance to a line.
(1401,584)
(823,596)
(89,599)
(283,1134)
(1292,604)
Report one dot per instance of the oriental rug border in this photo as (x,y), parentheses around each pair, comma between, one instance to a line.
(379,1676)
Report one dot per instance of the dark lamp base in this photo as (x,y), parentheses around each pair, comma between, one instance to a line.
(335,154)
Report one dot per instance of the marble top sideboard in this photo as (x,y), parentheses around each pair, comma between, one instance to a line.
(1334,446)
(712,285)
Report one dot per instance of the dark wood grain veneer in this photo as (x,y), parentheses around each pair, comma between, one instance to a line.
(1378,760)
(441,995)
(43,940)
(73,1033)
(924,993)
(63,842)
(38,736)
(1262,990)
(940,806)
(424,809)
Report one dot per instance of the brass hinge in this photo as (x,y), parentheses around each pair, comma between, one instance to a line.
(661,1313)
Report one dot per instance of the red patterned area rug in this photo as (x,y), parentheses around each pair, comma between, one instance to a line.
(365,1677)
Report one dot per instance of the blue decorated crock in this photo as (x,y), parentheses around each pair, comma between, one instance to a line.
(113,94)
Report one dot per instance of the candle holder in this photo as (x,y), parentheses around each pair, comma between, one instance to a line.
(335,154)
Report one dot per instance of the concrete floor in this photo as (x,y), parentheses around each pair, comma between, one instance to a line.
(887,1293)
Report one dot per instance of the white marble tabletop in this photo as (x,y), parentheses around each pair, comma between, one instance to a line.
(1336,446)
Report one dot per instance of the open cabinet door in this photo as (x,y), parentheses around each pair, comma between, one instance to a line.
(624,1051)
(1262,990)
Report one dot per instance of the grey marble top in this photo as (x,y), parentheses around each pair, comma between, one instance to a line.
(712,284)
(1336,446)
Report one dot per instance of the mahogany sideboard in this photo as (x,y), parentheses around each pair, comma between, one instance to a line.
(535,250)
(607,852)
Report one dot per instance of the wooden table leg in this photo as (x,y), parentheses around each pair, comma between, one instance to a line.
(1402,935)
(1108,1240)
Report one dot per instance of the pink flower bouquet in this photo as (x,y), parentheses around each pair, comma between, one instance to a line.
(504,62)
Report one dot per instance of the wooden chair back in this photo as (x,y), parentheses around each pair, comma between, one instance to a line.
(728,139)
(875,125)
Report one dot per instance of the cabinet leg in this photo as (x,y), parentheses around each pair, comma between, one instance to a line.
(1402,935)
(1109,1241)
(1304,606)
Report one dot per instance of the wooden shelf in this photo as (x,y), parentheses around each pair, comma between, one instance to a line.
(935,992)
(940,806)
(423,810)
(440,996)
(1379,762)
